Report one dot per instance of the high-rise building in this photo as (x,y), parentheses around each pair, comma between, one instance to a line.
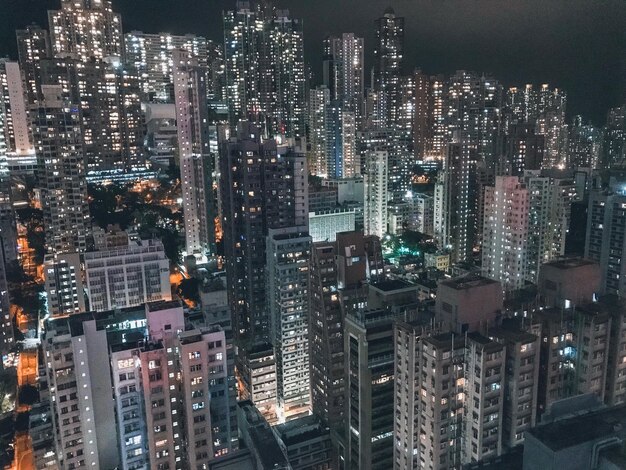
(339,271)
(525,225)
(287,105)
(605,240)
(369,374)
(525,149)
(61,173)
(446,380)
(505,232)
(347,51)
(265,74)
(614,142)
(543,109)
(288,254)
(64,284)
(153,57)
(17,138)
(85,29)
(263,187)
(455,191)
(389,55)
(583,145)
(196,161)
(408,394)
(108,98)
(473,105)
(375,210)
(33,45)
(257,371)
(422,219)
(127,276)
(342,160)
(551,194)
(319,99)
(423,114)
(521,374)
(169,389)
(485,366)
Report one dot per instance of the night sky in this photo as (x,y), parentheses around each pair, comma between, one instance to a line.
(579,45)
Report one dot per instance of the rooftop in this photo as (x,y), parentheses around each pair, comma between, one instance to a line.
(446,340)
(569,263)
(301,430)
(582,428)
(163,305)
(488,344)
(391,285)
(467,282)
(513,335)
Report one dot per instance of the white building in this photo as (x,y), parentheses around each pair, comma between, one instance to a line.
(64,285)
(196,163)
(288,253)
(324,226)
(85,29)
(170,400)
(62,175)
(375,213)
(151,55)
(15,133)
(505,232)
(126,276)
(550,205)
(422,219)
(348,189)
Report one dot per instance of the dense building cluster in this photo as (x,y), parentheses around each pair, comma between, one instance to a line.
(376,268)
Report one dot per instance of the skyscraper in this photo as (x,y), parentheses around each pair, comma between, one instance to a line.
(319,99)
(110,110)
(153,57)
(583,144)
(132,386)
(389,55)
(285,101)
(614,142)
(288,254)
(265,77)
(473,104)
(341,157)
(376,195)
(85,29)
(17,152)
(196,162)
(347,51)
(551,194)
(61,172)
(369,360)
(525,149)
(263,187)
(505,232)
(33,45)
(605,241)
(339,271)
(455,211)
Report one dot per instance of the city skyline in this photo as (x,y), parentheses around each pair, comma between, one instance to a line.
(522,42)
(285,247)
